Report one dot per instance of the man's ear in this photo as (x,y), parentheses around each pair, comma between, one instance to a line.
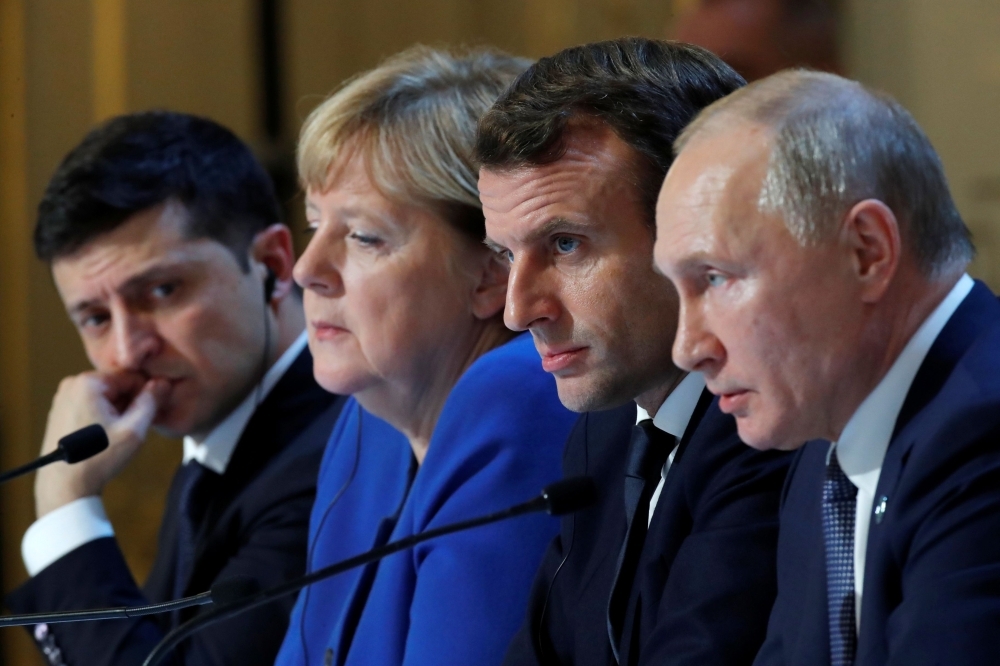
(490,294)
(272,250)
(871,231)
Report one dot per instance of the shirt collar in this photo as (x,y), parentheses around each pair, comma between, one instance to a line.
(216,449)
(864,440)
(676,411)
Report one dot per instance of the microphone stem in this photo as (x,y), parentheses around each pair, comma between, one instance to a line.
(121,613)
(33,465)
(225,612)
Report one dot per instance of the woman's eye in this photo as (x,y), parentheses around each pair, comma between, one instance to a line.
(365,239)
(715,279)
(565,245)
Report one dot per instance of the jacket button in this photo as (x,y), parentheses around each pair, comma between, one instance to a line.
(328,657)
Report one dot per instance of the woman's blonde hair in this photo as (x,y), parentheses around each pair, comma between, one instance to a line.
(413,118)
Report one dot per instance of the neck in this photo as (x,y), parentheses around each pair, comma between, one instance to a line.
(890,327)
(286,320)
(654,398)
(414,408)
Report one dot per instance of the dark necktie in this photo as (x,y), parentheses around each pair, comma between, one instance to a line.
(839,505)
(647,454)
(190,510)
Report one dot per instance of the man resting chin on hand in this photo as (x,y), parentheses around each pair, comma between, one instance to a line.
(164,239)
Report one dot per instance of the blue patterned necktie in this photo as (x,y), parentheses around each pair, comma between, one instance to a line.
(839,505)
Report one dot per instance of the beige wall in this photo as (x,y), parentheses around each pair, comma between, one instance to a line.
(65,64)
(942,61)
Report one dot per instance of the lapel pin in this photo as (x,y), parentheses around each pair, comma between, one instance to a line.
(880,510)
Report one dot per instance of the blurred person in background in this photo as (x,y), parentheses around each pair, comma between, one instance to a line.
(760,37)
(675,563)
(820,260)
(451,415)
(166,245)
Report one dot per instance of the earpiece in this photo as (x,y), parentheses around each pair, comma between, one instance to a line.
(269,283)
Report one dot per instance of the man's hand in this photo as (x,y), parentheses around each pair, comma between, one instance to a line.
(125,404)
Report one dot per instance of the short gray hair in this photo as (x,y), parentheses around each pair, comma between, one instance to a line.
(836,143)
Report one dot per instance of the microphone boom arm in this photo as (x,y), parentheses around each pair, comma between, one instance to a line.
(559,498)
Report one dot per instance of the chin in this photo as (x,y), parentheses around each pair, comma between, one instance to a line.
(339,380)
(578,395)
(764,437)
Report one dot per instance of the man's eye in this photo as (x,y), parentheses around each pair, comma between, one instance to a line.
(94,321)
(164,290)
(715,279)
(507,256)
(565,245)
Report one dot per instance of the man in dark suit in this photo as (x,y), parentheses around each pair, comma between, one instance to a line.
(820,261)
(676,562)
(165,243)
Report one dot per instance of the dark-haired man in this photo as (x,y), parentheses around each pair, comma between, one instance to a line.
(676,562)
(165,242)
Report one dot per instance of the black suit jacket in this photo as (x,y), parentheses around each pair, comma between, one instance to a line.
(932,567)
(706,574)
(256,524)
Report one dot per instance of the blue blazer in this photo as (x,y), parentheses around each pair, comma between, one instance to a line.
(705,580)
(454,600)
(932,567)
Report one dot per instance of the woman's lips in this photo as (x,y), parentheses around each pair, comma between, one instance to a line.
(325,331)
(562,360)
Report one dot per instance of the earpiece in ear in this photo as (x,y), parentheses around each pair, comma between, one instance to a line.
(269,284)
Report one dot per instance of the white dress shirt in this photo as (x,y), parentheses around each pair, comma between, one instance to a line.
(84,520)
(673,418)
(865,439)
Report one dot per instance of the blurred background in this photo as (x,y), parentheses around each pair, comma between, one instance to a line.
(259,66)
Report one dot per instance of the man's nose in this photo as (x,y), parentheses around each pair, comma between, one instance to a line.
(530,300)
(696,347)
(136,341)
(315,270)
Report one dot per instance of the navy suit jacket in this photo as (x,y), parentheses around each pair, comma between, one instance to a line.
(706,576)
(255,524)
(458,599)
(932,566)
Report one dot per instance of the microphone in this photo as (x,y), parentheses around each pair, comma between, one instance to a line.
(222,593)
(557,499)
(74,447)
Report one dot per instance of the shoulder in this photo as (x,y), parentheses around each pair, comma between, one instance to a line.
(599,441)
(500,434)
(719,468)
(505,392)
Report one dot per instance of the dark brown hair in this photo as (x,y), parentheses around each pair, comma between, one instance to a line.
(645,90)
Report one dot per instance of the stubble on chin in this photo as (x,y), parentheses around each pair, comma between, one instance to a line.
(593,393)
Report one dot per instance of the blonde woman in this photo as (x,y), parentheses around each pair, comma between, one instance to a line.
(451,414)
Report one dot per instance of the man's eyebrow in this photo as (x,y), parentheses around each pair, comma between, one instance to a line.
(494,246)
(133,284)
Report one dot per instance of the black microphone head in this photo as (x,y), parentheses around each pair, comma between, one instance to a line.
(569,495)
(234,589)
(83,443)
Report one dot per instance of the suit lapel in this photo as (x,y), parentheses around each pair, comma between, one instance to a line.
(658,534)
(294,402)
(979,312)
